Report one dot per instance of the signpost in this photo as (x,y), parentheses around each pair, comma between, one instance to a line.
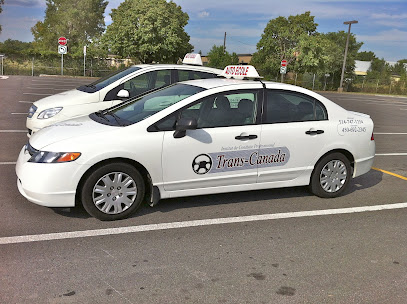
(62,49)
(84,60)
(283,69)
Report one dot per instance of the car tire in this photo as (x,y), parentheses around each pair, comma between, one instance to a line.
(113,191)
(331,175)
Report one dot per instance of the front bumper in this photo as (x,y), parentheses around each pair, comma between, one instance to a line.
(34,124)
(50,185)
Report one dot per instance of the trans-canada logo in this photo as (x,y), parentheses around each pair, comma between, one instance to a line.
(226,161)
(202,164)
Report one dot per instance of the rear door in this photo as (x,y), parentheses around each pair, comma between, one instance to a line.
(295,129)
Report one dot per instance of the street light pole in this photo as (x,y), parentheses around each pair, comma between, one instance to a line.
(340,89)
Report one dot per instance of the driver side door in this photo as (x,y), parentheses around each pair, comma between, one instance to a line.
(221,152)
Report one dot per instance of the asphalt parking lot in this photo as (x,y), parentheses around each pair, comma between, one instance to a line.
(269,246)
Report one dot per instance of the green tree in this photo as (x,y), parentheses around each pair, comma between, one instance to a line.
(365,56)
(80,21)
(148,30)
(379,70)
(219,58)
(280,40)
(10,46)
(1,9)
(317,54)
(339,41)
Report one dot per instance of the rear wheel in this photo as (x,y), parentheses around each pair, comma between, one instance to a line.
(331,176)
(113,191)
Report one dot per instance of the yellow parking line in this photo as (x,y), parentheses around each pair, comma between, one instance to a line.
(390,173)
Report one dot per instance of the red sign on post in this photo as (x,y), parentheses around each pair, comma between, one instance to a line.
(62,40)
(284,63)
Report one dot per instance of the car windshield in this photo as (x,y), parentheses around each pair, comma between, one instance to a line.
(105,81)
(152,103)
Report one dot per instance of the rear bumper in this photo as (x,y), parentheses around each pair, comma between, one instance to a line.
(364,164)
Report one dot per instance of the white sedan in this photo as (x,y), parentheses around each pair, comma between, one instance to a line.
(113,89)
(194,138)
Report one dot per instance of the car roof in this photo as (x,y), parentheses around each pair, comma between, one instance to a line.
(180,66)
(219,82)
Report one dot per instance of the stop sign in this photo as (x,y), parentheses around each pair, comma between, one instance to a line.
(62,40)
(283,63)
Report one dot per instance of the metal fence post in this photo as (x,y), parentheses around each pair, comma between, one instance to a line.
(32,67)
(313,82)
(2,65)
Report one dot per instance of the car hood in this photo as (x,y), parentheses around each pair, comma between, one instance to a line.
(71,97)
(67,129)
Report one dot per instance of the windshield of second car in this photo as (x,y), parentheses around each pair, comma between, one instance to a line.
(105,81)
(152,103)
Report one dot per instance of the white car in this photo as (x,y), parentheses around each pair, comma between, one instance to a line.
(194,138)
(113,89)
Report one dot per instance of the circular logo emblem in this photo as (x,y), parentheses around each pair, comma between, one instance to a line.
(202,164)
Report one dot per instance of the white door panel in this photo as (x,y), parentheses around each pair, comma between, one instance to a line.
(297,148)
(210,157)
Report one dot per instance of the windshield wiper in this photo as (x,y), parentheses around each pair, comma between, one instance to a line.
(90,86)
(116,118)
(101,114)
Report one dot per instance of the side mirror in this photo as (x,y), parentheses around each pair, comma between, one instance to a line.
(123,94)
(183,125)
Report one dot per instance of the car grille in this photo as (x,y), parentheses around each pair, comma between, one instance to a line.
(30,149)
(31,111)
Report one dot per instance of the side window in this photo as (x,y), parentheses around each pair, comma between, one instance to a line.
(220,110)
(191,75)
(141,83)
(148,81)
(287,106)
(163,78)
(224,110)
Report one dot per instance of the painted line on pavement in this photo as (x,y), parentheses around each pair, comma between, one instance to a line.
(40,94)
(19,113)
(390,173)
(189,224)
(8,163)
(13,131)
(391,154)
(26,101)
(390,133)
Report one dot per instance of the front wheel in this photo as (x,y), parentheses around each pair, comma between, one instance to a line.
(331,176)
(113,192)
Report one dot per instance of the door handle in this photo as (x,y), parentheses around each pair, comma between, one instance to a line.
(246,137)
(314,132)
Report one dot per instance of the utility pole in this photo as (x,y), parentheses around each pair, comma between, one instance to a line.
(340,89)
(224,44)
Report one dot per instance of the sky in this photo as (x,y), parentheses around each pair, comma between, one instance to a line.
(382,25)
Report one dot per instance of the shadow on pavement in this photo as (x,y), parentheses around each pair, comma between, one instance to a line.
(167,205)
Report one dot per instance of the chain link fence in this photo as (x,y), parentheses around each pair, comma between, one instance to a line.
(98,67)
(330,82)
(51,65)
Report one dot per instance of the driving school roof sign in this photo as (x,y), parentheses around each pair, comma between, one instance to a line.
(240,72)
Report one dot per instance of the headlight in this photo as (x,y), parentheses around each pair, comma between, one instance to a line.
(48,113)
(31,111)
(53,157)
